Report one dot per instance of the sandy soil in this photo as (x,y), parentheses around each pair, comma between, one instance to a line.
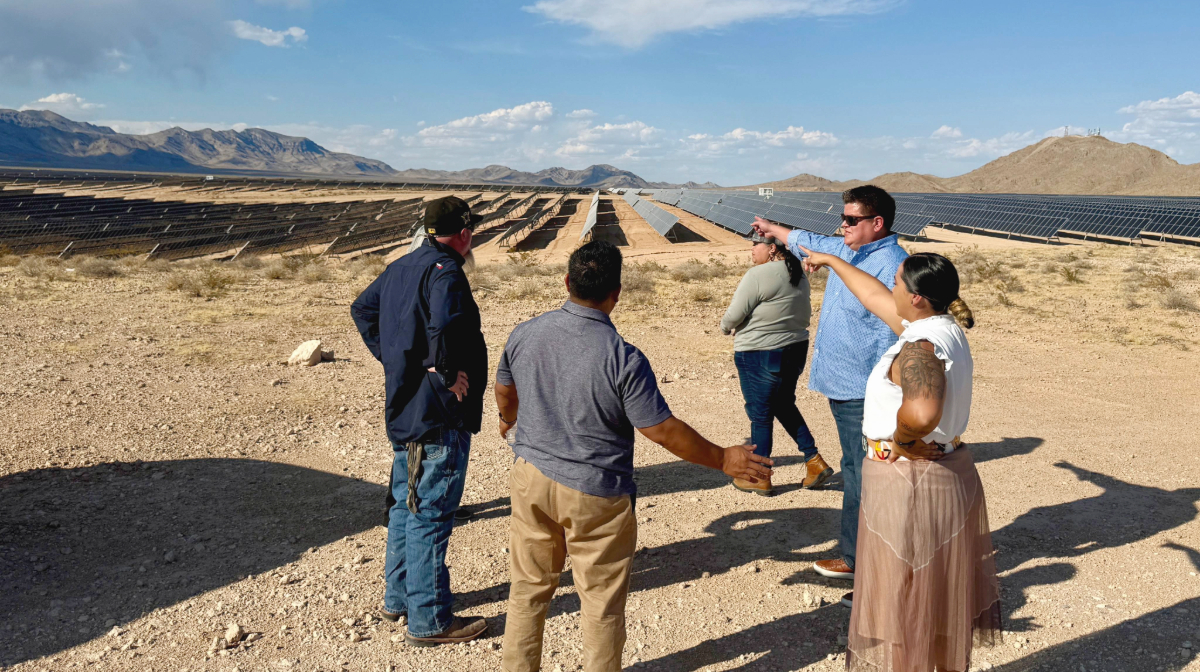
(162,475)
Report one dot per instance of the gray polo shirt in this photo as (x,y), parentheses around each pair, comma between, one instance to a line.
(582,390)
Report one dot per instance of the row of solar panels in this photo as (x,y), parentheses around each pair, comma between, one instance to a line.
(1030,216)
(660,220)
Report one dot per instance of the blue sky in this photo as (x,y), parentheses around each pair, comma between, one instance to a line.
(734,91)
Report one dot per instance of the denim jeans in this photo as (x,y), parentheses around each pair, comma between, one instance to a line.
(848,416)
(417,579)
(768,379)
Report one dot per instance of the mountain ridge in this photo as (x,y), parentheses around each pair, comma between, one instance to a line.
(1091,165)
(41,138)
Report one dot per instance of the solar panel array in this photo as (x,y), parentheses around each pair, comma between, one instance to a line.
(532,219)
(590,222)
(660,220)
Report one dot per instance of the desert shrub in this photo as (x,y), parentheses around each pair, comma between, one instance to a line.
(524,289)
(1017,262)
(276,270)
(816,281)
(526,265)
(639,277)
(249,262)
(9,260)
(314,272)
(694,270)
(1173,299)
(366,264)
(974,267)
(1131,303)
(1070,274)
(701,294)
(1049,267)
(206,281)
(43,268)
(93,267)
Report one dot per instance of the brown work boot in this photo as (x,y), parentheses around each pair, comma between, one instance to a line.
(818,473)
(460,630)
(762,487)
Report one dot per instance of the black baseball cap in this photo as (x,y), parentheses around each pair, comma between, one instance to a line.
(449,215)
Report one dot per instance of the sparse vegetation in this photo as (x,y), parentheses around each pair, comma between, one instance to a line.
(43,268)
(1173,299)
(206,281)
(974,267)
(95,267)
(9,260)
(1070,274)
(314,272)
(700,294)
(694,270)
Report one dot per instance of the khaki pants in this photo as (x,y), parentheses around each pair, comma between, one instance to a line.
(550,521)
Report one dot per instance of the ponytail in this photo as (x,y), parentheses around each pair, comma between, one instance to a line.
(962,313)
(795,267)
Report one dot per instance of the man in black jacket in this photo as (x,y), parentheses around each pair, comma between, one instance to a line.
(419,319)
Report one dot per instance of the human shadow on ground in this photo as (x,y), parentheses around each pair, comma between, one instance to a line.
(1124,513)
(1152,641)
(86,548)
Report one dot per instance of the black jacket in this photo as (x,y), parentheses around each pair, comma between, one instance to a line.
(419,313)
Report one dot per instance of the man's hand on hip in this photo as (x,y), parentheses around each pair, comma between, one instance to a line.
(741,462)
(459,388)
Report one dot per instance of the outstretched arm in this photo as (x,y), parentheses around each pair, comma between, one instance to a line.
(737,461)
(874,295)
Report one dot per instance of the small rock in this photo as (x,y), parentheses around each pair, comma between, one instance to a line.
(307,354)
(397,638)
(355,637)
(843,640)
(233,634)
(1187,645)
(252,637)
(169,556)
(117,632)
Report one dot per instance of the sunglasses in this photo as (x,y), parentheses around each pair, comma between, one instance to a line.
(853,220)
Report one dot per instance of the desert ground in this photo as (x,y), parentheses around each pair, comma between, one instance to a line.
(163,475)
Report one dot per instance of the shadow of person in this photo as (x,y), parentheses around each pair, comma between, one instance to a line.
(86,548)
(1122,514)
(1005,447)
(1128,645)
(789,643)
(736,540)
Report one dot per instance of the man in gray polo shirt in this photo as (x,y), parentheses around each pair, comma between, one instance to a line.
(581,390)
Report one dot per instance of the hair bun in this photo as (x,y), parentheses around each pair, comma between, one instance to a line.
(961,312)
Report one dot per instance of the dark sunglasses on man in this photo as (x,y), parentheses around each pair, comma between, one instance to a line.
(853,220)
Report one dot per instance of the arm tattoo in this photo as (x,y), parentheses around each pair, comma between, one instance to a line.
(922,374)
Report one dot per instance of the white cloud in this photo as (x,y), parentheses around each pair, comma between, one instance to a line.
(626,140)
(271,38)
(1171,125)
(741,141)
(290,4)
(633,23)
(581,114)
(491,127)
(946,132)
(66,104)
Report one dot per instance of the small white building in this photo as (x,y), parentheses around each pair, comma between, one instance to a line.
(766,191)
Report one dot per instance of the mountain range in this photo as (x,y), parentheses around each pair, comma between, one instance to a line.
(39,138)
(1056,165)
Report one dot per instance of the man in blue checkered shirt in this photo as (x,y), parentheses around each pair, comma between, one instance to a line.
(850,340)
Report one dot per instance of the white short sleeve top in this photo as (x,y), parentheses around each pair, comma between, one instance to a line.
(883,398)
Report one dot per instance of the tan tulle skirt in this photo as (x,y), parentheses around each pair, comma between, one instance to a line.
(925,587)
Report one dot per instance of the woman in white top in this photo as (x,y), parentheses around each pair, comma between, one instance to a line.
(925,582)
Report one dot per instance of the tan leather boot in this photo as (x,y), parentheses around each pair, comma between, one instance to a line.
(818,473)
(762,487)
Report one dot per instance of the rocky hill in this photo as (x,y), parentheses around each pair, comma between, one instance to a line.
(1058,165)
(41,138)
(601,176)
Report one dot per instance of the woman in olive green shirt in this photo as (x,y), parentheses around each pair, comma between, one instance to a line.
(769,317)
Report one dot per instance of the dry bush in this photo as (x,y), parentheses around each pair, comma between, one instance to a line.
(525,265)
(367,264)
(974,267)
(701,294)
(250,262)
(1049,267)
(694,270)
(1131,303)
(205,281)
(276,270)
(1017,262)
(9,260)
(1070,274)
(1174,299)
(43,268)
(1141,277)
(93,267)
(314,272)
(525,289)
(640,277)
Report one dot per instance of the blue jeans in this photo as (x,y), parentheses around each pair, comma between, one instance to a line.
(417,579)
(848,416)
(768,379)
